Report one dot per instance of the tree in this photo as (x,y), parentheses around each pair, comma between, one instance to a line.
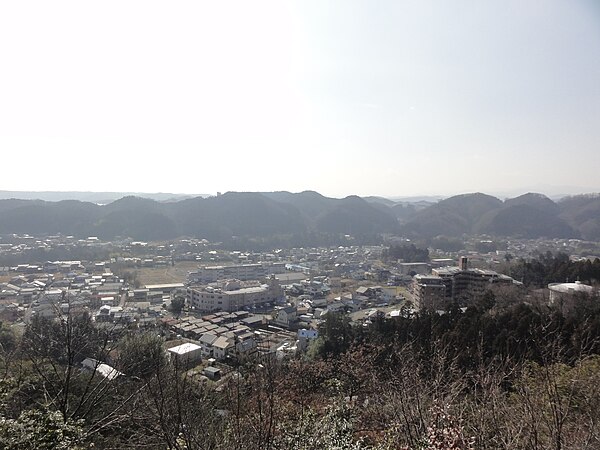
(141,355)
(335,334)
(177,305)
(44,430)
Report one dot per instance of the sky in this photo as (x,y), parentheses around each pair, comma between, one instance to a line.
(390,98)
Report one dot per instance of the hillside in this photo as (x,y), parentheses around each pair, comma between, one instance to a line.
(527,216)
(582,212)
(453,216)
(234,214)
(267,214)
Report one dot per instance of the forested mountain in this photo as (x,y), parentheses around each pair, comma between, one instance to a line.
(265,214)
(527,216)
(583,213)
(453,216)
(237,214)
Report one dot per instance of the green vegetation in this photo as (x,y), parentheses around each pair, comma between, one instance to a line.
(549,268)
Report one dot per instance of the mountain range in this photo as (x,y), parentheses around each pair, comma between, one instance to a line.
(528,216)
(240,214)
(264,214)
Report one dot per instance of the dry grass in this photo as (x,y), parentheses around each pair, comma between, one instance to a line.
(162,275)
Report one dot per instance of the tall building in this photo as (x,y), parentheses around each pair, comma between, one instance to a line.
(429,292)
(458,283)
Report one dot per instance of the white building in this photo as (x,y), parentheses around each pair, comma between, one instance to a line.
(564,295)
(186,354)
(233,296)
(244,272)
(102,369)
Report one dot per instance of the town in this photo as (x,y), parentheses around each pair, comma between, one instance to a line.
(215,306)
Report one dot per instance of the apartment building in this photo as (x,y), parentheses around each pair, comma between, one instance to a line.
(458,283)
(429,292)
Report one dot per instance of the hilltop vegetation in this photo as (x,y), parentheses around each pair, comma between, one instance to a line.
(527,216)
(306,218)
(220,218)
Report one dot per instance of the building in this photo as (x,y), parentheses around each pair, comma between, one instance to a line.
(564,295)
(212,373)
(206,342)
(412,268)
(233,295)
(243,272)
(305,335)
(186,354)
(164,288)
(222,346)
(102,369)
(429,291)
(460,284)
(285,317)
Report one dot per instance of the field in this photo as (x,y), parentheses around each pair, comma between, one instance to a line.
(164,275)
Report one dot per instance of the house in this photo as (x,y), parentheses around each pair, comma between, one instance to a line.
(335,307)
(206,342)
(245,343)
(306,335)
(222,346)
(252,321)
(286,316)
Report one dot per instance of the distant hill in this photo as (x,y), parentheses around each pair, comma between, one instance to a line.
(453,216)
(267,214)
(403,210)
(530,215)
(350,215)
(380,200)
(93,197)
(582,212)
(239,214)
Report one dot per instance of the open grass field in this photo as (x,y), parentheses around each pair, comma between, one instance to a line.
(162,275)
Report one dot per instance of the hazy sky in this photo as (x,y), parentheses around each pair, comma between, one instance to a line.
(371,97)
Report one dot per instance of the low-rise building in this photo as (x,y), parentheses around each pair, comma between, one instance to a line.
(244,272)
(565,295)
(233,296)
(186,354)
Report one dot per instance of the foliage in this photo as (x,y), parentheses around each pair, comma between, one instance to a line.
(549,268)
(332,430)
(500,375)
(40,429)
(447,244)
(177,305)
(406,253)
(336,334)
(141,355)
